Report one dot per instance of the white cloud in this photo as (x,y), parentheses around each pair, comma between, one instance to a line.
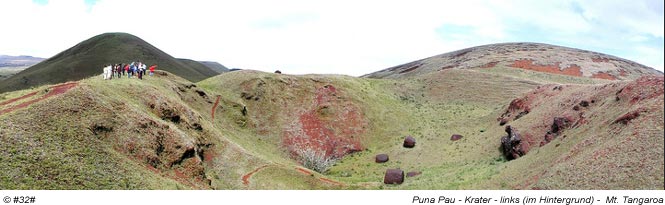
(348,37)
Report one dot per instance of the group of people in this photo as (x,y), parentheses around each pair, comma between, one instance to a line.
(134,69)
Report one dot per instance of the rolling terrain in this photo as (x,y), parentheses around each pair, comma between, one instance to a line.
(215,66)
(87,59)
(528,56)
(10,65)
(255,130)
(18,61)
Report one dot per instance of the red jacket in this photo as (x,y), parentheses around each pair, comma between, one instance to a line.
(152,68)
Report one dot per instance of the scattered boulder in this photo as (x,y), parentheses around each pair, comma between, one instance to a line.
(456,137)
(413,173)
(503,122)
(584,103)
(381,158)
(278,72)
(512,145)
(409,142)
(393,176)
(558,124)
(100,128)
(624,119)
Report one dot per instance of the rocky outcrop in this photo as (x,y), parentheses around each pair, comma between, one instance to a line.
(512,145)
(558,125)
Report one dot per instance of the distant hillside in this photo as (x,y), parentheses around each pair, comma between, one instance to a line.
(18,61)
(199,66)
(473,127)
(88,57)
(526,56)
(215,66)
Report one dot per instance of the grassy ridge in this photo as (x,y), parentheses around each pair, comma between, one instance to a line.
(105,134)
(90,56)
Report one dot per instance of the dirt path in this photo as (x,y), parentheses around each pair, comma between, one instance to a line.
(323,179)
(54,90)
(215,107)
(18,98)
(245,178)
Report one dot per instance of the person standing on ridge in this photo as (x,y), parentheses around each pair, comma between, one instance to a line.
(143,69)
(152,69)
(132,69)
(140,72)
(119,70)
(127,70)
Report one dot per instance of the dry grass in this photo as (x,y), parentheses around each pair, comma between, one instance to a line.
(64,153)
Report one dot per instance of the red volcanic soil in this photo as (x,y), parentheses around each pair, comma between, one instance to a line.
(245,178)
(410,69)
(215,107)
(323,179)
(600,59)
(574,112)
(602,75)
(208,156)
(54,90)
(17,99)
(532,180)
(304,171)
(329,128)
(623,73)
(330,181)
(572,70)
(643,88)
(624,119)
(489,65)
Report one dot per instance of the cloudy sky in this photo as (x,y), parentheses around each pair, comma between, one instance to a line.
(342,37)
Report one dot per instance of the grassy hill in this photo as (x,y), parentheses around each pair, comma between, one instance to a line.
(18,61)
(215,66)
(10,65)
(256,130)
(198,66)
(527,56)
(88,57)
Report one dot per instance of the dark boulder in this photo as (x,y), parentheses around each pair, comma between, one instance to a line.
(381,158)
(409,142)
(584,103)
(456,137)
(512,144)
(393,176)
(558,124)
(278,72)
(503,122)
(413,173)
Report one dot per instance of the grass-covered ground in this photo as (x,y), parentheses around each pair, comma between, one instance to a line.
(160,133)
(6,72)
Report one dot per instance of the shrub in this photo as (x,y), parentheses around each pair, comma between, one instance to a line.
(315,160)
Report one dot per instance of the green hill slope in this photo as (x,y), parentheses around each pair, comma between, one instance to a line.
(536,57)
(88,57)
(257,130)
(215,66)
(199,67)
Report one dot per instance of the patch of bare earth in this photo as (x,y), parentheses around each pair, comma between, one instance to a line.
(52,91)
